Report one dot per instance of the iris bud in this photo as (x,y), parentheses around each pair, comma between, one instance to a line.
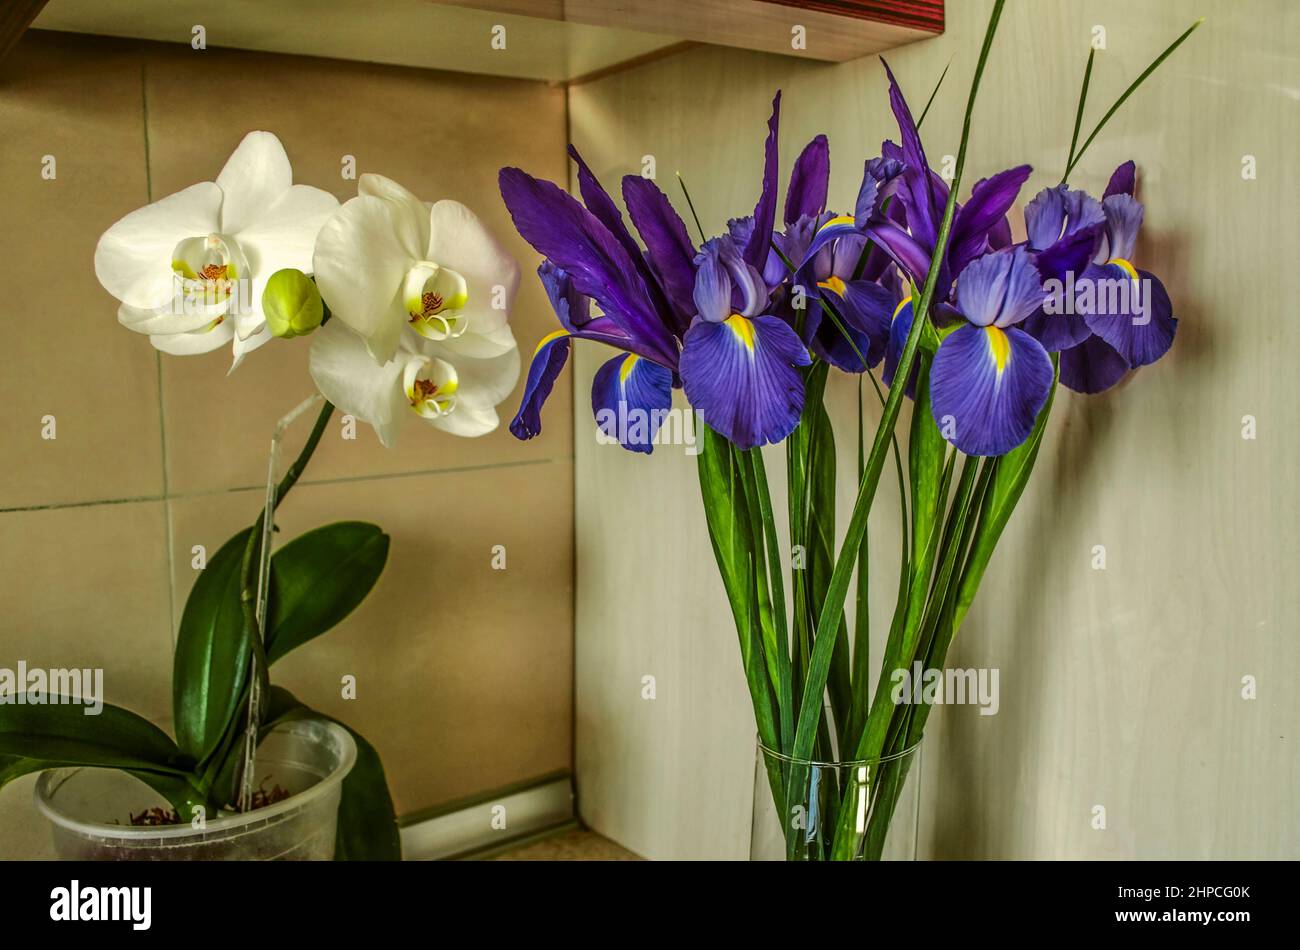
(292,304)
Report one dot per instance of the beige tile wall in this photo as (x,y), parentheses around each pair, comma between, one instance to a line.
(464,673)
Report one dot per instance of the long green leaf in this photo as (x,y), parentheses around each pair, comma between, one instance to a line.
(819,667)
(727,516)
(39,737)
(1013,471)
(1133,87)
(319,578)
(212,653)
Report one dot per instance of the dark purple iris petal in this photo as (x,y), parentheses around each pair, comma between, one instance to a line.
(809,181)
(629,398)
(551,355)
(864,311)
(902,248)
(1057,331)
(756,250)
(1070,256)
(668,246)
(988,204)
(1135,317)
(563,230)
(899,328)
(1091,367)
(1122,180)
(987,386)
(741,376)
(924,203)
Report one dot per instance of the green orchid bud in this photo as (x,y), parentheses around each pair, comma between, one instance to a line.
(292,304)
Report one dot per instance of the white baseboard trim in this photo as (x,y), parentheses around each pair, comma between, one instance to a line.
(489,822)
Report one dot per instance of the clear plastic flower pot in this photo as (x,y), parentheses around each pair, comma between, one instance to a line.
(90,809)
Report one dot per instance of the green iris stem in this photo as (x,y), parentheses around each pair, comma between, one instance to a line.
(833,611)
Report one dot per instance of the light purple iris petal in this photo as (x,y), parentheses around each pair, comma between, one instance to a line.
(712,293)
(1123,221)
(1059,212)
(983,408)
(542,371)
(669,247)
(563,230)
(1000,289)
(629,401)
(758,246)
(809,181)
(1092,366)
(752,394)
(987,206)
(1122,180)
(864,311)
(1135,317)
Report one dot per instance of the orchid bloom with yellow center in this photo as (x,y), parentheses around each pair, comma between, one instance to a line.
(190,269)
(420,298)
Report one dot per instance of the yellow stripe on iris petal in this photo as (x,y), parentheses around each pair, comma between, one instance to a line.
(837,220)
(743,328)
(549,338)
(833,283)
(625,370)
(999,346)
(899,309)
(1125,266)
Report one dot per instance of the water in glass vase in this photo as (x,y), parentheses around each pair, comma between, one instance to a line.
(835,811)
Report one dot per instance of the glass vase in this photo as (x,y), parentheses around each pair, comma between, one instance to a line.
(806,810)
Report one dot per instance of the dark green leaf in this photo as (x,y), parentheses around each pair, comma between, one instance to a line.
(319,578)
(367,825)
(212,653)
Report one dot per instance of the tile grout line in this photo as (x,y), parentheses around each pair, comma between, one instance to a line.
(169,539)
(305,483)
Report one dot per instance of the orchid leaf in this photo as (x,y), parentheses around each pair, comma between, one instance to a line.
(34,738)
(367,822)
(212,653)
(318,578)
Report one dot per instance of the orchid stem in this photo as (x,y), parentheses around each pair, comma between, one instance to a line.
(254,583)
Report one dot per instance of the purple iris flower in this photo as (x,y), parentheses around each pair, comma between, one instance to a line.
(739,361)
(989,378)
(1121,317)
(738,368)
(861,303)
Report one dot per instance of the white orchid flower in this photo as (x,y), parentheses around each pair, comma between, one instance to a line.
(190,268)
(387,265)
(427,379)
